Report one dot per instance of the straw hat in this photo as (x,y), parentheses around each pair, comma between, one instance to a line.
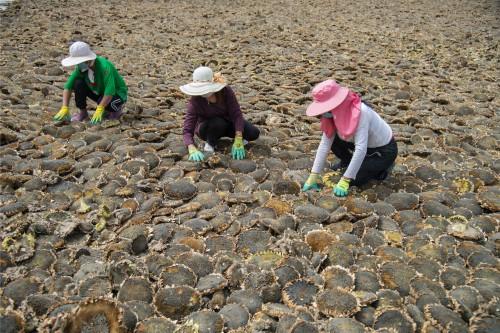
(78,52)
(203,83)
(327,95)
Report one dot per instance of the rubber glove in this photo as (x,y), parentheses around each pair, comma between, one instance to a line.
(238,150)
(195,154)
(97,117)
(63,114)
(342,187)
(311,182)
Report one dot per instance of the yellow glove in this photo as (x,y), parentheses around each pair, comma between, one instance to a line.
(342,187)
(238,150)
(195,154)
(97,117)
(63,114)
(311,182)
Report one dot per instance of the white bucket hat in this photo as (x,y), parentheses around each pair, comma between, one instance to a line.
(78,52)
(203,83)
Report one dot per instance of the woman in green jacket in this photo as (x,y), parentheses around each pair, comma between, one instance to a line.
(96,78)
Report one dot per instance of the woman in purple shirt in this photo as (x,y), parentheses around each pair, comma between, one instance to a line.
(213,112)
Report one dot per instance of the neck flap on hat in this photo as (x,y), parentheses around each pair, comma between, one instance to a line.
(345,118)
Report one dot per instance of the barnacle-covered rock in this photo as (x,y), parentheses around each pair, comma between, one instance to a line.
(390,318)
(367,280)
(178,275)
(397,276)
(489,197)
(247,298)
(459,227)
(340,255)
(96,286)
(359,207)
(96,316)
(136,289)
(285,274)
(19,289)
(445,318)
(279,206)
(336,277)
(210,283)
(199,263)
(452,277)
(299,293)
(252,241)
(204,321)
(156,325)
(345,325)
(311,213)
(177,302)
(319,240)
(336,303)
(181,189)
(234,315)
(266,260)
(11,321)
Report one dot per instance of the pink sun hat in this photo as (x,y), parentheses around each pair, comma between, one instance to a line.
(327,95)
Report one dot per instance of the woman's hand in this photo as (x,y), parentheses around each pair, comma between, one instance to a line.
(342,187)
(311,182)
(195,154)
(63,114)
(238,150)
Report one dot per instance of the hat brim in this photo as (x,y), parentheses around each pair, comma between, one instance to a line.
(72,61)
(197,89)
(317,108)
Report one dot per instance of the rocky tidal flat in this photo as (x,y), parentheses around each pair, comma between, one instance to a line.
(110,228)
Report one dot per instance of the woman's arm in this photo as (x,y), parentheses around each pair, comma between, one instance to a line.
(360,147)
(190,120)
(322,153)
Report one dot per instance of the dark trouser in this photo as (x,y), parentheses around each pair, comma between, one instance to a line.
(376,163)
(82,91)
(215,128)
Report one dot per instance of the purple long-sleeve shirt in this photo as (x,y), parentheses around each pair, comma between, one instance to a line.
(199,110)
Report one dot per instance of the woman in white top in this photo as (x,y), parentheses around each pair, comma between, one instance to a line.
(355,133)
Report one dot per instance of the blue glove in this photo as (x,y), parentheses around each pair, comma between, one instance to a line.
(195,154)
(311,182)
(342,187)
(238,150)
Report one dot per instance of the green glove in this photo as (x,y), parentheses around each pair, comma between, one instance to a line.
(342,187)
(195,154)
(63,114)
(238,150)
(97,117)
(311,182)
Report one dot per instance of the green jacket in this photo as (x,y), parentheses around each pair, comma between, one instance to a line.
(107,80)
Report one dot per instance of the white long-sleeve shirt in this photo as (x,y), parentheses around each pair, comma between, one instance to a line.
(372,132)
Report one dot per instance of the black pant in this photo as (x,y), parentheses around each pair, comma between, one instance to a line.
(82,91)
(377,160)
(213,129)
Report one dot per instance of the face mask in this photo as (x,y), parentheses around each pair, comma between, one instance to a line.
(83,66)
(327,115)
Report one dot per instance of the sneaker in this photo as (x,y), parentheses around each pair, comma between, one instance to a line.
(113,115)
(208,148)
(80,116)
